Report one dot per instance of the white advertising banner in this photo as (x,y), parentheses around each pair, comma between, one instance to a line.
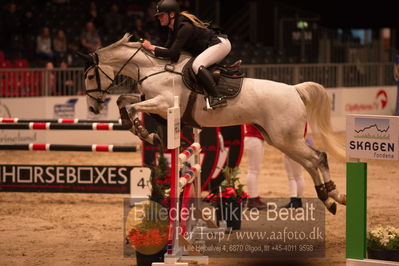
(372,137)
(61,107)
(361,100)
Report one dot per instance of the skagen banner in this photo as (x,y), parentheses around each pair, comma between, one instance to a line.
(71,178)
(372,137)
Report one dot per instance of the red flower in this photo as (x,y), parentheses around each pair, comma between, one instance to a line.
(244,195)
(231,191)
(210,196)
(153,237)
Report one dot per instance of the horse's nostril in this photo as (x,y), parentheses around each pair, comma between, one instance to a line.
(91,109)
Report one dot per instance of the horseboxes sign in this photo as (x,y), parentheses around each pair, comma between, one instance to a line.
(72,178)
(372,137)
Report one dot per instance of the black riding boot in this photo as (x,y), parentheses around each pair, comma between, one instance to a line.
(294,203)
(210,86)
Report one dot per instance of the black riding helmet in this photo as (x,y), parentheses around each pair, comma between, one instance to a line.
(167,6)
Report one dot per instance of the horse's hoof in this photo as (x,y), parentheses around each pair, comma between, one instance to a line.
(333,208)
(126,123)
(157,140)
(343,202)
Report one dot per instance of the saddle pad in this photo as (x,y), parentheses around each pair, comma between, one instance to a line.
(227,86)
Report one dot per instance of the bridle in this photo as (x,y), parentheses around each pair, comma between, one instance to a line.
(94,63)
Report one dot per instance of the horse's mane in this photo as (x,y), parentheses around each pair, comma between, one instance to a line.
(123,41)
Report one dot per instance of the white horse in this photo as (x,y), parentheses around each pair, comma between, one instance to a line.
(279,110)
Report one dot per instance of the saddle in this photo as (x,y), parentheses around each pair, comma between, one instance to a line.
(228,78)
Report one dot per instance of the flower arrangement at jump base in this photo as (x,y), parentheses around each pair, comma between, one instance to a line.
(383,243)
(148,221)
(227,199)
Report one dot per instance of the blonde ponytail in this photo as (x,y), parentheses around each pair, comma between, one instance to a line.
(195,20)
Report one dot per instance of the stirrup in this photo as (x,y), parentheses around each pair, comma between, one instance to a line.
(222,103)
(207,106)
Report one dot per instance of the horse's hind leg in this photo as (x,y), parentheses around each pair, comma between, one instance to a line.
(310,159)
(328,183)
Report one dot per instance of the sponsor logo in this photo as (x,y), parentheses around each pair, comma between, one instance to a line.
(373,135)
(379,103)
(65,110)
(71,178)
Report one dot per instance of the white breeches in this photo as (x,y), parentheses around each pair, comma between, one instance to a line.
(212,55)
(254,148)
(296,182)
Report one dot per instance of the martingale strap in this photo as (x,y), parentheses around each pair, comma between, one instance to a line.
(168,68)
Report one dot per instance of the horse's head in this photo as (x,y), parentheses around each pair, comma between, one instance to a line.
(98,80)
(120,57)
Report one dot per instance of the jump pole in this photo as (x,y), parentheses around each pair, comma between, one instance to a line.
(356,191)
(68,147)
(61,126)
(4,120)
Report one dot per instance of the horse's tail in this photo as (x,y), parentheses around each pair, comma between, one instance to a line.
(318,109)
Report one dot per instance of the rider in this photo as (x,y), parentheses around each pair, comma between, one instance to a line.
(188,32)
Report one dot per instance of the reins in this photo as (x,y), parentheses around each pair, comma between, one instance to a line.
(168,68)
(97,68)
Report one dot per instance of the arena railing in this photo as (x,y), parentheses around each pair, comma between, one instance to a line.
(329,75)
(27,82)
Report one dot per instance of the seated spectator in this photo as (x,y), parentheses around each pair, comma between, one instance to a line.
(113,23)
(139,32)
(92,14)
(72,59)
(134,9)
(60,45)
(9,27)
(65,83)
(28,32)
(43,44)
(89,38)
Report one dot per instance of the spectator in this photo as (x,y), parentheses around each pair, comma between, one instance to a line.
(296,181)
(89,38)
(133,9)
(29,24)
(184,4)
(65,83)
(92,15)
(72,59)
(254,147)
(113,23)
(139,32)
(60,45)
(50,78)
(10,26)
(43,45)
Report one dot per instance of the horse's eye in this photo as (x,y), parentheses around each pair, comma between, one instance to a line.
(90,77)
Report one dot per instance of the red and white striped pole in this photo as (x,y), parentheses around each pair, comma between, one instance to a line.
(173,133)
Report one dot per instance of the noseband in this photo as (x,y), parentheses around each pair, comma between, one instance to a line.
(97,69)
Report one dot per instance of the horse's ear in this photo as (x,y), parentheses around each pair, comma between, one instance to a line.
(86,57)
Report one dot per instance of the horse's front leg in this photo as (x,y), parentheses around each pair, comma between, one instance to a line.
(122,102)
(157,105)
(130,108)
(131,121)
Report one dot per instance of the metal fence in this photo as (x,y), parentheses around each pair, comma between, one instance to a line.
(63,82)
(329,75)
